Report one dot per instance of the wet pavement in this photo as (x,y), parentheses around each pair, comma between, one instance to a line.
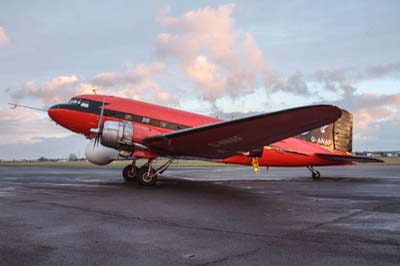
(200,216)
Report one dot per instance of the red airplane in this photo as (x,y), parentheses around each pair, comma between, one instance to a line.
(122,128)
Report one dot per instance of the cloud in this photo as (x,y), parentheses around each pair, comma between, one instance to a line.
(55,90)
(382,70)
(375,119)
(23,126)
(204,74)
(233,115)
(367,108)
(221,61)
(294,84)
(333,79)
(203,29)
(136,82)
(133,74)
(3,36)
(218,58)
(87,88)
(372,108)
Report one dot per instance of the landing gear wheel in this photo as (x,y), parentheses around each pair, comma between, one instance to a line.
(145,178)
(316,175)
(130,174)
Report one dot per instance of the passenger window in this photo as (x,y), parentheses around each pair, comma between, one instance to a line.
(146,120)
(163,124)
(85,104)
(128,117)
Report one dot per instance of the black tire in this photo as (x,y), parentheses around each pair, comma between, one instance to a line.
(144,179)
(130,175)
(316,175)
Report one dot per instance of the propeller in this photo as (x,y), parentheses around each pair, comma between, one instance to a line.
(98,130)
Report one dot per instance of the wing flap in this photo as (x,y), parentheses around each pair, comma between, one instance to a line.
(349,158)
(224,139)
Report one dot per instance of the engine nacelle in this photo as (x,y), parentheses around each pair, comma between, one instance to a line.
(117,134)
(99,154)
(124,135)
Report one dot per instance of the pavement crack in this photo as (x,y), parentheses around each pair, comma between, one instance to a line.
(353,213)
(267,238)
(164,223)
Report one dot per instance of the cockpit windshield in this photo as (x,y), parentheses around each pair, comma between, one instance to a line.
(75,101)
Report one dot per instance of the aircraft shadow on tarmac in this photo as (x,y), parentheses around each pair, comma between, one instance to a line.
(184,181)
(235,187)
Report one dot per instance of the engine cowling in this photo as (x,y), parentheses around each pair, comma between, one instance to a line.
(117,134)
(124,135)
(99,154)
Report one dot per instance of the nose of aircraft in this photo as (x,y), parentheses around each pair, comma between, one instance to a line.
(54,112)
(66,116)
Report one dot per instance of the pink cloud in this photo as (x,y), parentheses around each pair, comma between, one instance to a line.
(3,36)
(56,90)
(136,82)
(146,90)
(133,74)
(199,29)
(216,56)
(205,74)
(372,108)
(24,126)
(87,88)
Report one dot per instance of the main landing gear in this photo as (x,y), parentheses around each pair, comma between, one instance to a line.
(146,175)
(315,174)
(130,171)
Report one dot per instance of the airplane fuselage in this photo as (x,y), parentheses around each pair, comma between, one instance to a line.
(82,114)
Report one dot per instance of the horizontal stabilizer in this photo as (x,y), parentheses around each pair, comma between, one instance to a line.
(349,158)
(224,139)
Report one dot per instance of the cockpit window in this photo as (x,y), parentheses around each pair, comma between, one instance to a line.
(74,101)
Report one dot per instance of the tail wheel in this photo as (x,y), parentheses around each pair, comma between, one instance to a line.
(130,173)
(316,175)
(146,177)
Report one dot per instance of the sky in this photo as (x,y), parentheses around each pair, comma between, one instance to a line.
(217,58)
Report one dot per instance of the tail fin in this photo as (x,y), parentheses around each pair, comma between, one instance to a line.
(337,136)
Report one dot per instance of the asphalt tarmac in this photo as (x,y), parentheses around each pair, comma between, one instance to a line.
(200,216)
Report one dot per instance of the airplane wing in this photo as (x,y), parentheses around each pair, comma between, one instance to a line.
(224,139)
(349,158)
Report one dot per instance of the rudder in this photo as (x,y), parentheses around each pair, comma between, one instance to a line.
(336,136)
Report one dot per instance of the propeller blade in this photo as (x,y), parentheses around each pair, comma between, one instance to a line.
(101,114)
(96,141)
(98,130)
